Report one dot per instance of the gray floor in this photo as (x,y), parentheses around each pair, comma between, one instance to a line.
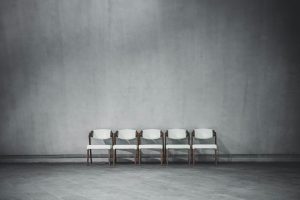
(149,181)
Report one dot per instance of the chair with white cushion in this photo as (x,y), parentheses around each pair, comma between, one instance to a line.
(204,134)
(151,134)
(99,134)
(125,134)
(177,134)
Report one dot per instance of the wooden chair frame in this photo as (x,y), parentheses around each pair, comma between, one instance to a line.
(89,155)
(167,151)
(115,136)
(216,155)
(162,156)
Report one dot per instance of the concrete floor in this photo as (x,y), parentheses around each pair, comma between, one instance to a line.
(126,181)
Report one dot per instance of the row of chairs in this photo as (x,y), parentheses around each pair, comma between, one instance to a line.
(152,134)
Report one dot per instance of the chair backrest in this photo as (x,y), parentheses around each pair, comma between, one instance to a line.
(203,133)
(151,134)
(177,133)
(101,134)
(127,134)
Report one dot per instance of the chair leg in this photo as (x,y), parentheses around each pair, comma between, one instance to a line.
(135,156)
(87,156)
(216,157)
(189,157)
(167,156)
(114,157)
(91,156)
(194,156)
(109,156)
(140,155)
(161,157)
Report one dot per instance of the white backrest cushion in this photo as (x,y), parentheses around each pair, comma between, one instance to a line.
(177,133)
(151,134)
(101,134)
(127,134)
(203,133)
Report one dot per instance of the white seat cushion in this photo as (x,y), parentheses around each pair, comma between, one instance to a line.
(177,146)
(125,146)
(204,146)
(150,146)
(103,146)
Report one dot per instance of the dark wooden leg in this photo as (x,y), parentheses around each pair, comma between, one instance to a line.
(216,159)
(135,157)
(161,157)
(114,157)
(109,156)
(91,156)
(193,157)
(167,156)
(87,156)
(140,155)
(189,156)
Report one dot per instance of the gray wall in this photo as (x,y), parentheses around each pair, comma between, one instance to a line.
(71,66)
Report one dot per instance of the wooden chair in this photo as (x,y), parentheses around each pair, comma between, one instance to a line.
(125,134)
(177,134)
(99,134)
(204,134)
(151,134)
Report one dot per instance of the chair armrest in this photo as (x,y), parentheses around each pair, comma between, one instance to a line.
(215,135)
(90,136)
(192,137)
(112,137)
(162,137)
(188,136)
(166,137)
(137,135)
(115,135)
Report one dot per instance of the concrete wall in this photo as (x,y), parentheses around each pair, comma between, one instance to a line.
(71,66)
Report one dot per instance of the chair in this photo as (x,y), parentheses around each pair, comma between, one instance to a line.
(99,134)
(125,134)
(151,134)
(204,134)
(177,134)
